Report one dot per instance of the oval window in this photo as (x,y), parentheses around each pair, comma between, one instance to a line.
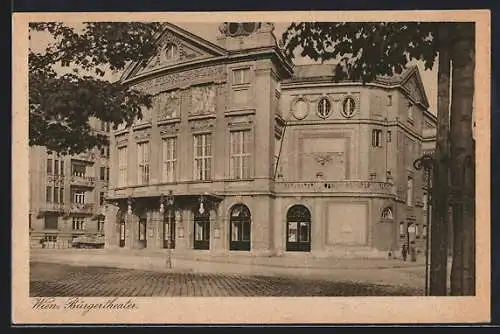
(324,107)
(348,107)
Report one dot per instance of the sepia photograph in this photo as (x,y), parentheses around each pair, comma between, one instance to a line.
(181,160)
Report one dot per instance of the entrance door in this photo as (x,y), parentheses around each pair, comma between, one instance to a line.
(142,232)
(122,233)
(202,230)
(240,228)
(169,230)
(298,227)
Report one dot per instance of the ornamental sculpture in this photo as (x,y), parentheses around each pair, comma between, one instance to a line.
(202,100)
(170,104)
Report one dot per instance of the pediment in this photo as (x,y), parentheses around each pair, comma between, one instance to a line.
(414,87)
(176,46)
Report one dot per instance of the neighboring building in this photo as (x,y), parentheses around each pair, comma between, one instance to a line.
(67,194)
(263,157)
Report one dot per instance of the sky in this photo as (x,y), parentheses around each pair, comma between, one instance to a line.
(209,31)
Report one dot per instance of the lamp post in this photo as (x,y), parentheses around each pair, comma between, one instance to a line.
(170,204)
(426,162)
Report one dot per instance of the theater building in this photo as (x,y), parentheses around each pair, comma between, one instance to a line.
(244,153)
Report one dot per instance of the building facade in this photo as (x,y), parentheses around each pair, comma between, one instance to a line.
(244,152)
(67,194)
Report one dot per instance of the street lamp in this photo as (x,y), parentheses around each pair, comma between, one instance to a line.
(170,204)
(427,163)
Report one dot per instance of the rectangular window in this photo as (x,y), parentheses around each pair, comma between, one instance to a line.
(56,167)
(61,195)
(389,100)
(107,173)
(202,157)
(78,223)
(79,197)
(48,194)
(78,170)
(101,198)
(241,76)
(49,166)
(62,168)
(56,195)
(409,192)
(240,154)
(377,138)
(50,222)
(102,173)
(389,136)
(122,166)
(143,163)
(169,153)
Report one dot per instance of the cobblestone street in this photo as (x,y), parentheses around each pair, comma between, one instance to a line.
(61,280)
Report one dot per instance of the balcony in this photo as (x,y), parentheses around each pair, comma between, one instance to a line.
(87,208)
(82,181)
(52,207)
(346,186)
(86,157)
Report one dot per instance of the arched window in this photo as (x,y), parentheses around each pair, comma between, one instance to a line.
(240,227)
(202,229)
(298,227)
(387,213)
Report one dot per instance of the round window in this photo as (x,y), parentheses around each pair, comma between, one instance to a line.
(249,27)
(233,28)
(324,107)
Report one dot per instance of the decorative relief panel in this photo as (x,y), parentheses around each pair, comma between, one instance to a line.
(324,158)
(202,125)
(216,74)
(202,100)
(121,140)
(168,129)
(240,121)
(169,105)
(142,135)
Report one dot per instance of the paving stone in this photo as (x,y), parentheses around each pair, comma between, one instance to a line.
(61,280)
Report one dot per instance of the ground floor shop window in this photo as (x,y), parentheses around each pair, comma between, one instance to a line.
(298,227)
(240,228)
(201,230)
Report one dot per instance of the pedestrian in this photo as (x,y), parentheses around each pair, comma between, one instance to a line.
(404,252)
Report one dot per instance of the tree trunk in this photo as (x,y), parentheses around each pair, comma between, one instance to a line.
(463,160)
(439,199)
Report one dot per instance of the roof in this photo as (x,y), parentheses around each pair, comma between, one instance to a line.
(316,71)
(408,80)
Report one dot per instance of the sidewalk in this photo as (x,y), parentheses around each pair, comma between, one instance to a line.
(376,271)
